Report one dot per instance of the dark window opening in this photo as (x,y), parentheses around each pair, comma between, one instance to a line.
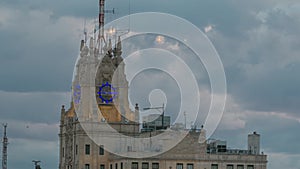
(101,150)
(87,149)
(134,165)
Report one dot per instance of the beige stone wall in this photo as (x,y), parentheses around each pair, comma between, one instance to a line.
(198,164)
(188,151)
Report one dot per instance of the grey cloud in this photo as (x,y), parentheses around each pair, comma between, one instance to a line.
(262,68)
(24,151)
(38,54)
(32,107)
(275,132)
(277,91)
(31,130)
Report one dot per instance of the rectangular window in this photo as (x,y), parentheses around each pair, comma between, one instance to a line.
(250,167)
(87,166)
(214,166)
(240,166)
(155,165)
(121,165)
(76,149)
(110,166)
(101,150)
(102,166)
(87,149)
(116,166)
(190,166)
(229,166)
(145,165)
(63,152)
(179,166)
(134,165)
(129,148)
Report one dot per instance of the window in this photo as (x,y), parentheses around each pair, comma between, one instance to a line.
(63,152)
(102,166)
(76,149)
(179,166)
(214,166)
(87,149)
(110,166)
(145,165)
(129,148)
(116,166)
(87,166)
(190,166)
(101,150)
(229,166)
(250,167)
(134,165)
(240,166)
(121,165)
(155,165)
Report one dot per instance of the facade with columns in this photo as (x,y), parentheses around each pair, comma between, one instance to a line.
(101,76)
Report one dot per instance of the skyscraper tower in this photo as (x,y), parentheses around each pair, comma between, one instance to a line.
(4,148)
(100,104)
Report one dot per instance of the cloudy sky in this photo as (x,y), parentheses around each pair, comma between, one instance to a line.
(258,43)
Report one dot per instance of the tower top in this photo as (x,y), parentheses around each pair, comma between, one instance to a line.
(5,126)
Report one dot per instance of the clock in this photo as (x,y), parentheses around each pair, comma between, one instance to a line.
(107,93)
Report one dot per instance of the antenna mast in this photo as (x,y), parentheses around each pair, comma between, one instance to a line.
(4,150)
(101,39)
(36,164)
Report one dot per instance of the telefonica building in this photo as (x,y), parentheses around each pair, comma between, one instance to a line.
(100,131)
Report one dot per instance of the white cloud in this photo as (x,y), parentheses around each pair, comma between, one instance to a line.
(209,28)
(233,118)
(271,114)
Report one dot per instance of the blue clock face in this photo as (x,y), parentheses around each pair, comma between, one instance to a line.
(76,94)
(107,93)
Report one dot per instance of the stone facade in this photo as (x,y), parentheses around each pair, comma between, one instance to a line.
(190,153)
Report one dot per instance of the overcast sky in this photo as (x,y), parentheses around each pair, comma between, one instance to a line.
(258,43)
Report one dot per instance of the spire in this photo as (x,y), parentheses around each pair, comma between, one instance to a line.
(118,49)
(63,109)
(62,114)
(91,43)
(109,48)
(85,32)
(81,44)
(119,45)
